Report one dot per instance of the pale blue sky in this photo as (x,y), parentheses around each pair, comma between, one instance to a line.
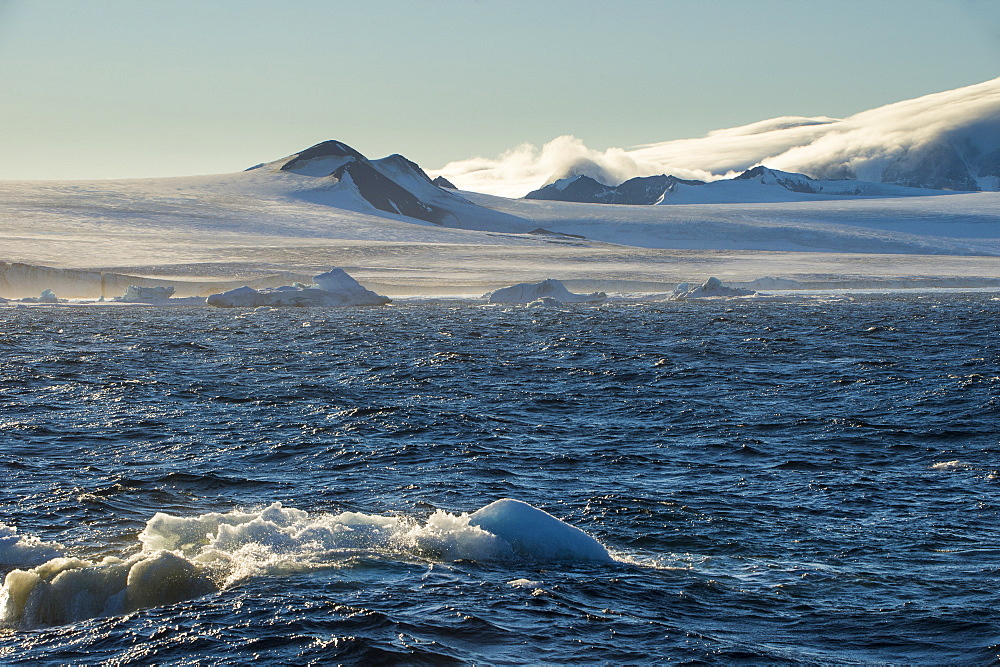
(114,88)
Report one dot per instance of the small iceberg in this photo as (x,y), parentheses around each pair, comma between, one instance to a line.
(333,288)
(711,288)
(550,288)
(47,296)
(137,294)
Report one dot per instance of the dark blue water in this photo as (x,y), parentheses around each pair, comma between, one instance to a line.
(777,482)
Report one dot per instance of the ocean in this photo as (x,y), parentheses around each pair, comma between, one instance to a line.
(801,481)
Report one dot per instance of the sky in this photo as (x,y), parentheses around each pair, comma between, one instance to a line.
(143,88)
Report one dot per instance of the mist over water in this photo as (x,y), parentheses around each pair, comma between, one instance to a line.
(804,482)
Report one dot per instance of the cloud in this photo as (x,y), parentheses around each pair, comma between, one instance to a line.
(860,146)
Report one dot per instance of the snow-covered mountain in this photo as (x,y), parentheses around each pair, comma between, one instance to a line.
(635,191)
(343,177)
(760,185)
(948,140)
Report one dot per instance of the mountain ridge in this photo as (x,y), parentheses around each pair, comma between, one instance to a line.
(394,185)
(758,184)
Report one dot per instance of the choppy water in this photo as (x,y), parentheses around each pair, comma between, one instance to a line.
(800,482)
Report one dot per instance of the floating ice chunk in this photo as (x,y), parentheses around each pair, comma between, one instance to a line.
(551,288)
(333,288)
(499,530)
(537,534)
(47,296)
(164,578)
(545,302)
(64,590)
(138,294)
(523,583)
(184,557)
(711,288)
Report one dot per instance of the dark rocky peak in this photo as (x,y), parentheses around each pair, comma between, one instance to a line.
(642,190)
(937,165)
(333,149)
(443,182)
(582,189)
(789,181)
(646,190)
(757,172)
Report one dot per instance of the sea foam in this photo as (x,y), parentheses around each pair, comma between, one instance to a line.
(19,550)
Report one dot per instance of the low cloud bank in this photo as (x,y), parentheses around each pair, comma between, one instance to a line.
(927,139)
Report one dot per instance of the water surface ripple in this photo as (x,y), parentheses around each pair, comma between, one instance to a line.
(779,482)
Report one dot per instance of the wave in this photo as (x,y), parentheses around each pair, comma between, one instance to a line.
(185,557)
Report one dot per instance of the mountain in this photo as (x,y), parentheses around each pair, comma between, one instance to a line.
(584,189)
(443,182)
(321,159)
(943,141)
(333,173)
(757,185)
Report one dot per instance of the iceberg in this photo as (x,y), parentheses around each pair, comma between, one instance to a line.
(333,288)
(713,287)
(47,296)
(551,288)
(138,294)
